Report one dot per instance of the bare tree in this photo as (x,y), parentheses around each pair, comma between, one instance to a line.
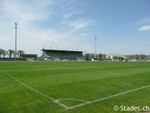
(20,53)
(104,56)
(88,56)
(142,56)
(1,52)
(137,57)
(131,57)
(100,56)
(92,55)
(11,52)
(4,53)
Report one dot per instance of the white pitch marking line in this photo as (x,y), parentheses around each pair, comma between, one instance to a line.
(74,99)
(106,98)
(79,105)
(31,88)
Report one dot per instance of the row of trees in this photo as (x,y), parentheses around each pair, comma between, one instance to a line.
(138,57)
(10,53)
(100,56)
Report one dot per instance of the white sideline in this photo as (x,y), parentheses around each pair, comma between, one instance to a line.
(105,98)
(74,99)
(33,89)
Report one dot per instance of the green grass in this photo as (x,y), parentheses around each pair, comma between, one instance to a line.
(86,81)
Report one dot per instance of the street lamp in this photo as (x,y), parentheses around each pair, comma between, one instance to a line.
(95,45)
(16,24)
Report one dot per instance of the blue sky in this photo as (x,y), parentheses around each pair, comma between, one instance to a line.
(121,26)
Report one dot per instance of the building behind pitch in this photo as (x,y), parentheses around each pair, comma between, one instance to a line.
(53,54)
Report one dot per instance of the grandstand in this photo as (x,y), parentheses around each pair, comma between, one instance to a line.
(52,54)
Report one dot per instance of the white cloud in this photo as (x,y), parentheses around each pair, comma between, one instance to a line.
(31,36)
(23,11)
(144,28)
(80,24)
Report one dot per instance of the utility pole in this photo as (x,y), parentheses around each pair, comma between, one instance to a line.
(16,24)
(95,45)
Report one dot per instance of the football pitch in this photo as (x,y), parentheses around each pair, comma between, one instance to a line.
(74,87)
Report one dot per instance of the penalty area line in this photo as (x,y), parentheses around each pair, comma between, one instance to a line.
(109,97)
(35,90)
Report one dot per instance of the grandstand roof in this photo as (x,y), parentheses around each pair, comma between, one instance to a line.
(118,55)
(62,50)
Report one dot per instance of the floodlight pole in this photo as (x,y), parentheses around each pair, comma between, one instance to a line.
(16,24)
(95,45)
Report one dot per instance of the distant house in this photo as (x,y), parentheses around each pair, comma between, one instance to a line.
(116,57)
